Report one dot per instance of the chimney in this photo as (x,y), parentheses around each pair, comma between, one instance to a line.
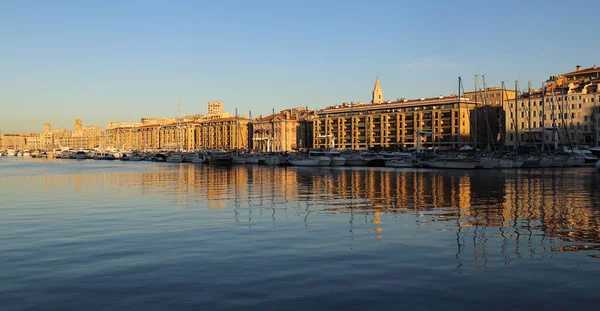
(594,66)
(578,68)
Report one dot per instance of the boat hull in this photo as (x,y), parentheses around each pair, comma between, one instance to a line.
(451,164)
(304,162)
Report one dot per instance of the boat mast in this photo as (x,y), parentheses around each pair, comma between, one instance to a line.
(529,118)
(485,114)
(178,136)
(543,117)
(517,141)
(458,133)
(475,132)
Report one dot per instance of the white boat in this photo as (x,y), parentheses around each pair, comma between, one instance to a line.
(487,163)
(238,159)
(274,160)
(304,162)
(252,160)
(558,161)
(11,152)
(26,153)
(450,163)
(505,163)
(403,163)
(175,158)
(546,162)
(327,158)
(197,158)
(531,162)
(355,160)
(574,161)
(589,157)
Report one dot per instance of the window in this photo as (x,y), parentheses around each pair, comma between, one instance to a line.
(522,125)
(585,128)
(572,106)
(592,99)
(534,124)
(522,104)
(513,138)
(584,118)
(534,113)
(511,115)
(522,114)
(579,105)
(572,115)
(511,126)
(579,96)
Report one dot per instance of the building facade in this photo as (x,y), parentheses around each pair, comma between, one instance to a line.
(564,112)
(281,132)
(427,122)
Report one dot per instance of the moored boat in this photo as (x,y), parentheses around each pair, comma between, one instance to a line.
(174,158)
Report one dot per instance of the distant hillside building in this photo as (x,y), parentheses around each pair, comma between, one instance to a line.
(215,108)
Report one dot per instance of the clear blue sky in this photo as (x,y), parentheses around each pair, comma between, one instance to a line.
(122,60)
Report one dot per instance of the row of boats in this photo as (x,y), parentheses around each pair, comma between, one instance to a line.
(455,160)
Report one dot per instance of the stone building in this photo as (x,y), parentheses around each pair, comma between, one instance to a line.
(215,107)
(281,132)
(564,112)
(428,122)
(223,134)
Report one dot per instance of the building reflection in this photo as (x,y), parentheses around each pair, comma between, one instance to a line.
(512,214)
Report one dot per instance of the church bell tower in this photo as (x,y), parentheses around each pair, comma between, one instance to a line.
(377,93)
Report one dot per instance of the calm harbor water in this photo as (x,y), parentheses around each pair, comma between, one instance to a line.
(121,235)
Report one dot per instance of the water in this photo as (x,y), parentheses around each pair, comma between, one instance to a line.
(119,235)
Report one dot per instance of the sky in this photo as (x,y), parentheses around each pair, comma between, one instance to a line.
(122,60)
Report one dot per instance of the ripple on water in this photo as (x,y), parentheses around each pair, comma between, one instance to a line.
(121,235)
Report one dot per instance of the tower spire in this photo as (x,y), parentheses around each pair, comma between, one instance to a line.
(377,93)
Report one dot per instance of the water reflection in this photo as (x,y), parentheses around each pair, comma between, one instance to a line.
(510,214)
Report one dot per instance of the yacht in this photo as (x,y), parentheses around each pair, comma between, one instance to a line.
(402,163)
(355,160)
(238,159)
(11,152)
(275,159)
(80,155)
(220,159)
(101,155)
(135,157)
(450,162)
(327,158)
(175,158)
(304,160)
(26,153)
